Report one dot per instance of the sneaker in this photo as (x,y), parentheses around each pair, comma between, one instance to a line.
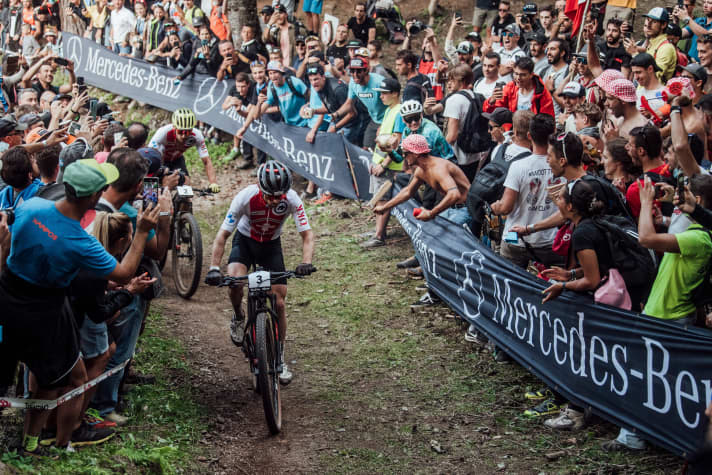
(47,437)
(232,155)
(237,329)
(367,235)
(41,452)
(285,377)
(617,446)
(545,408)
(324,198)
(87,435)
(539,395)
(501,357)
(474,336)
(408,263)
(114,416)
(415,271)
(568,419)
(93,418)
(373,243)
(426,300)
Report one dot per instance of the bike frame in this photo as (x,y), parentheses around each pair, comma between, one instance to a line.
(257,303)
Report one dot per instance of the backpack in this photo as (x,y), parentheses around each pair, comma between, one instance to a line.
(637,265)
(475,137)
(488,185)
(613,198)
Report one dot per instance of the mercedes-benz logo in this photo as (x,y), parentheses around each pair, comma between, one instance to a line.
(73,51)
(209,95)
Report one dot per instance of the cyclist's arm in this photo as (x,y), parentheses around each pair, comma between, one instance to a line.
(204,156)
(219,247)
(307,246)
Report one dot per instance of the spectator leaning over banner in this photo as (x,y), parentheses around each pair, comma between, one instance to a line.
(457,106)
(285,95)
(443,176)
(326,97)
(362,87)
(696,28)
(525,200)
(525,92)
(238,99)
(415,123)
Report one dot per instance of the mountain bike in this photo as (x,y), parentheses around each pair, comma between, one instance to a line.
(186,242)
(261,341)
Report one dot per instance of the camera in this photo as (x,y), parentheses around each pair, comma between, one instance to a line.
(524,20)
(416,27)
(163,171)
(10,213)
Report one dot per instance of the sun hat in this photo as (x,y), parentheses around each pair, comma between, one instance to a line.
(623,89)
(416,143)
(87,176)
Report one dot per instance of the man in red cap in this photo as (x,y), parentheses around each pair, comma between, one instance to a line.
(442,175)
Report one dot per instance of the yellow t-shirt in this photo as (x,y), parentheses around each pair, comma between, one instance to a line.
(98,20)
(387,126)
(623,3)
(665,56)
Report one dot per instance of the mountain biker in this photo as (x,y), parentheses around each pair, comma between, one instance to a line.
(258,212)
(175,138)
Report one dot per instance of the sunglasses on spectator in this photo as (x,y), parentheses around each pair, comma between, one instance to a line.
(411,119)
(508,34)
(256,63)
(562,138)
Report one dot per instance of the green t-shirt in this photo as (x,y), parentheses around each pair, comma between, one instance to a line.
(679,275)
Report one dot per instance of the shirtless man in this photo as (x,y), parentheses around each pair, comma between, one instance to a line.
(620,102)
(442,175)
(286,33)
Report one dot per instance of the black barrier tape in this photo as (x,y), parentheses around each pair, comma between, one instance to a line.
(325,162)
(642,373)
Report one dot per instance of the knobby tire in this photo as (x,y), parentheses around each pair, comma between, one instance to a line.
(267,377)
(187,285)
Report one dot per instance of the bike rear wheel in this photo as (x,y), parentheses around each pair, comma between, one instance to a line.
(187,255)
(267,353)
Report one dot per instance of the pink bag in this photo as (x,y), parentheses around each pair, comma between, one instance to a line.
(613,291)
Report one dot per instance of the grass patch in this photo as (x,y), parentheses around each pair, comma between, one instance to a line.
(165,425)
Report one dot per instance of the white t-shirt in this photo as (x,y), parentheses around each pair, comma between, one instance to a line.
(530,177)
(512,149)
(524,101)
(456,107)
(654,97)
(507,56)
(485,88)
(541,67)
(122,23)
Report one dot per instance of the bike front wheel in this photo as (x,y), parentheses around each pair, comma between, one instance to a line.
(267,353)
(187,255)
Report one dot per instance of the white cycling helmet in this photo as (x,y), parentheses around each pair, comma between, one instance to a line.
(411,107)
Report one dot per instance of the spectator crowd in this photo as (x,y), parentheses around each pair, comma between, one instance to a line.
(549,139)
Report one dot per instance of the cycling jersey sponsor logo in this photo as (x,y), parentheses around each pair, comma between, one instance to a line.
(301,216)
(190,141)
(281,208)
(230,218)
(44,228)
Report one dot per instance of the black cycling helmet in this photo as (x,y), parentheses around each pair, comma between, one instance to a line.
(274,178)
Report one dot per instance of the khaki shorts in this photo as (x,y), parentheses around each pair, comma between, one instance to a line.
(622,13)
(483,17)
(377,181)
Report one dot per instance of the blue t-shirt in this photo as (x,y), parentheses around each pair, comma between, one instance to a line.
(435,138)
(315,102)
(8,199)
(288,102)
(702,21)
(49,249)
(370,98)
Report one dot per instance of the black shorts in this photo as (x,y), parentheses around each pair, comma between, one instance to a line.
(178,164)
(38,328)
(249,252)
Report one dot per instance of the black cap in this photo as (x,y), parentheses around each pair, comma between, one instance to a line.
(538,36)
(674,30)
(473,36)
(267,10)
(315,68)
(7,127)
(299,39)
(530,9)
(388,85)
(499,116)
(280,8)
(644,60)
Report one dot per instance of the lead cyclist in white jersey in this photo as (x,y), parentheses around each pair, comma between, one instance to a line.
(258,213)
(175,138)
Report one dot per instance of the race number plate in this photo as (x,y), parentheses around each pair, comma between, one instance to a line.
(185,190)
(259,281)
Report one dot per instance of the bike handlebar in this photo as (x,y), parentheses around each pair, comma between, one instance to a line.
(230,281)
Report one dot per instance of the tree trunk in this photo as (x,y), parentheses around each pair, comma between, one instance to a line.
(240,13)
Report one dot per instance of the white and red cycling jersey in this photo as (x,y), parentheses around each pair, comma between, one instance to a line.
(166,142)
(253,218)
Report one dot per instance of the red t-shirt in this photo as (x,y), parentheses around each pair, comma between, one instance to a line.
(633,193)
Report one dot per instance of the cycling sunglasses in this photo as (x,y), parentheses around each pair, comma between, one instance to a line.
(412,118)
